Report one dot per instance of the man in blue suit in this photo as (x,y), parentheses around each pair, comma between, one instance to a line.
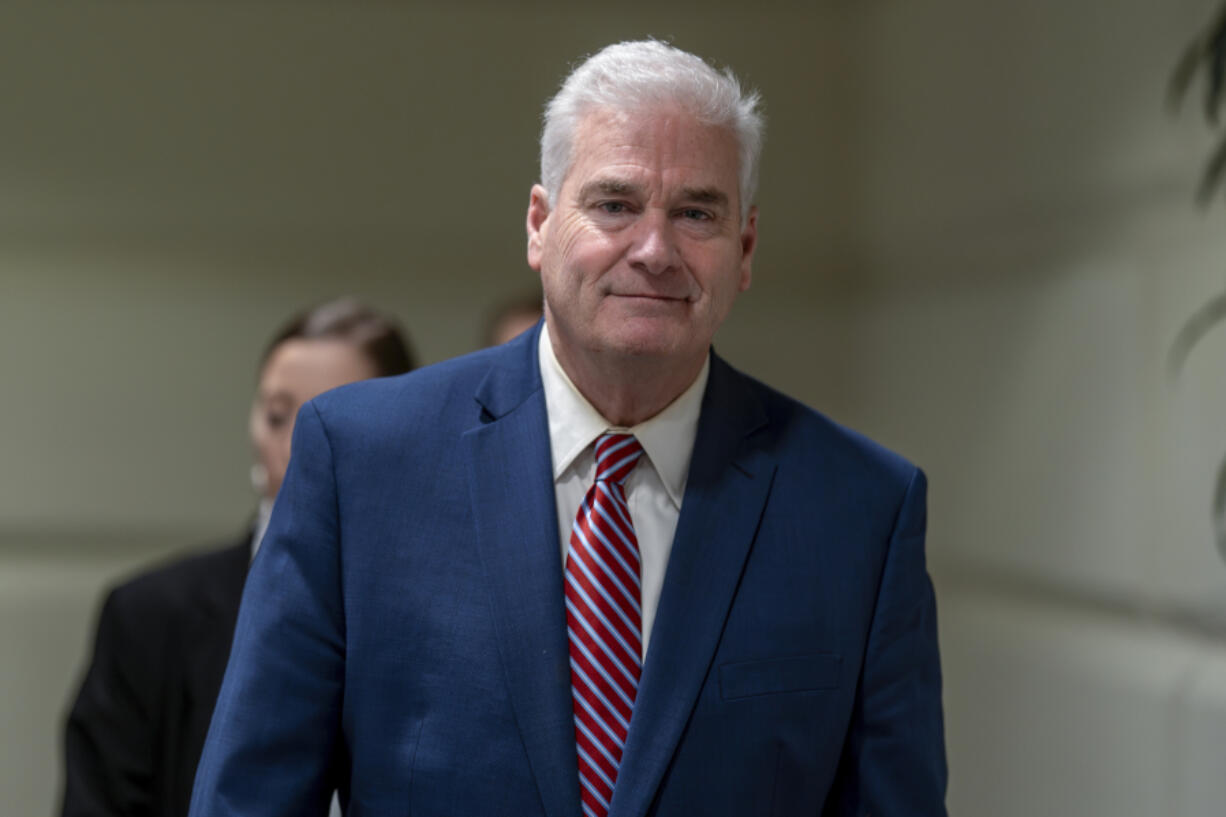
(595,570)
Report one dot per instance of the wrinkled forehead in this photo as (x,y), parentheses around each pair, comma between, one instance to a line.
(652,139)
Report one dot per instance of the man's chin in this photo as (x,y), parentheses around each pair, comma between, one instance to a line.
(637,338)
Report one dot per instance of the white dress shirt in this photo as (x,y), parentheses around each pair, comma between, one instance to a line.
(655,487)
(262,514)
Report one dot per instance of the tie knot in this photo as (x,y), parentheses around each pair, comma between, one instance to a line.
(616,455)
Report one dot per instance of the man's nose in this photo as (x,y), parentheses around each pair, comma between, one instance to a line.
(655,246)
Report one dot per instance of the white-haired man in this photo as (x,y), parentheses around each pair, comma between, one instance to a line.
(596,570)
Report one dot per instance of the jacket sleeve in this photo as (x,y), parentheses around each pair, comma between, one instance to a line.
(893,762)
(275,731)
(109,737)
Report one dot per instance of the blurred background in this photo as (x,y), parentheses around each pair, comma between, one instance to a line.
(979,241)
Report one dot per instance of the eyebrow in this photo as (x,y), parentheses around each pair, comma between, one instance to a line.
(277,396)
(607,187)
(616,187)
(706,195)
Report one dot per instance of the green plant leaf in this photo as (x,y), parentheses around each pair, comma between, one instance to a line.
(1212,177)
(1219,510)
(1209,315)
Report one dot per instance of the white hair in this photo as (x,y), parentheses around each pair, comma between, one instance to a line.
(651,74)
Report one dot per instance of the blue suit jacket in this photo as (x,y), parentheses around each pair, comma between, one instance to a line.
(402,633)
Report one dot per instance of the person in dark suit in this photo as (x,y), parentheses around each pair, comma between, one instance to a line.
(595,570)
(136,730)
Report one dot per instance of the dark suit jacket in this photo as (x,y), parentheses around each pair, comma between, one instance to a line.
(403,631)
(137,728)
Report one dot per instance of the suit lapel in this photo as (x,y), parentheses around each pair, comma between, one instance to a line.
(726,491)
(509,468)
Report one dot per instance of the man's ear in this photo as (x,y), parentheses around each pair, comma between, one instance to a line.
(749,243)
(538,214)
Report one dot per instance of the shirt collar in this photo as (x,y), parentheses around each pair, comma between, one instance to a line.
(574,424)
(262,515)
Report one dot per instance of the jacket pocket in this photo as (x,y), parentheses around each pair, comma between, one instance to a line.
(801,673)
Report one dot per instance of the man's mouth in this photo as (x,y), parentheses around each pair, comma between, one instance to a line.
(649,296)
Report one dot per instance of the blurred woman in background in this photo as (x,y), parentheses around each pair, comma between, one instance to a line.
(136,731)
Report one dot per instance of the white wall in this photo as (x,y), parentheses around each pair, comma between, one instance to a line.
(1030,249)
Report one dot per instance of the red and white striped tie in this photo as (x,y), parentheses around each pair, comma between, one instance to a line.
(603,618)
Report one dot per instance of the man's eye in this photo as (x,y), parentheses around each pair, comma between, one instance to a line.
(613,207)
(694,214)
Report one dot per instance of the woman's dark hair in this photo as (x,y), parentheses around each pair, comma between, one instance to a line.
(378,336)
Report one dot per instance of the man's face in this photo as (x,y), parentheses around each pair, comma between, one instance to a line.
(644,251)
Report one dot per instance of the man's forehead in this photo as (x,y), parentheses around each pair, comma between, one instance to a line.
(615,150)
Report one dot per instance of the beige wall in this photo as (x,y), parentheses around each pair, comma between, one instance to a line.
(978,241)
